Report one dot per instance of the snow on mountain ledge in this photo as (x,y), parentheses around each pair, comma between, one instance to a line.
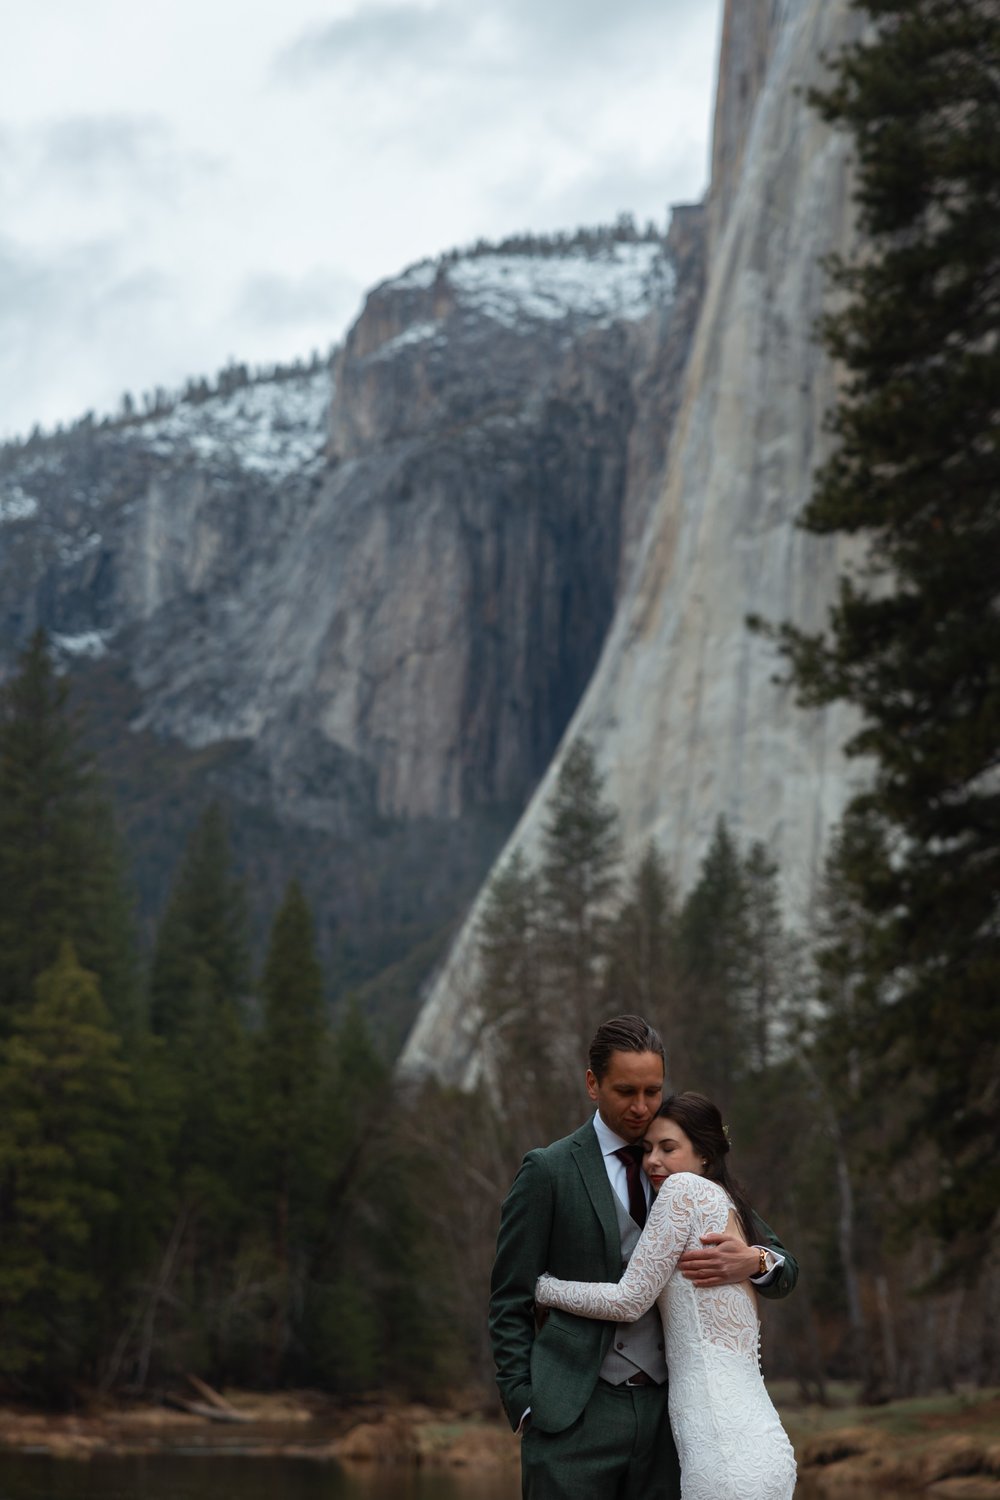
(15,505)
(622,281)
(88,643)
(271,427)
(418,333)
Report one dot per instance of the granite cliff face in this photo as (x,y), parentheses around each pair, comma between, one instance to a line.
(383,586)
(408,573)
(682,710)
(750,31)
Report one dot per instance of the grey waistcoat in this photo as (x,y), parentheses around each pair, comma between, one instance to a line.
(636,1345)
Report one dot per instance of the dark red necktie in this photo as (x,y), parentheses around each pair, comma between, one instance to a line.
(636,1191)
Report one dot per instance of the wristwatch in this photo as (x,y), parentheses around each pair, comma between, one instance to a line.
(762,1269)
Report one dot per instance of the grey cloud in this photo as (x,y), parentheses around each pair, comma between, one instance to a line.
(588,18)
(118,140)
(71,321)
(375,39)
(97,154)
(556,32)
(77,281)
(531,36)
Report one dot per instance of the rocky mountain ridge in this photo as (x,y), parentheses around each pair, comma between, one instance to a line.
(371,596)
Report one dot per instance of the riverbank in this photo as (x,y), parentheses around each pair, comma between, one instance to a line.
(945,1448)
(285,1425)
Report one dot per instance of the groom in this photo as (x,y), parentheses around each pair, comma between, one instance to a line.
(589,1399)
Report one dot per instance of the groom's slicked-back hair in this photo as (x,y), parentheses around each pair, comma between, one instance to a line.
(622,1034)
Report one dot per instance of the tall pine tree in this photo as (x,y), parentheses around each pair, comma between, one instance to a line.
(290,1069)
(713,942)
(60,869)
(342,1316)
(579,883)
(771,960)
(201,941)
(516,1032)
(201,1089)
(914,638)
(65,1103)
(199,988)
(642,970)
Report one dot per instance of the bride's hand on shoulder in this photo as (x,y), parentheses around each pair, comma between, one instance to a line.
(724,1261)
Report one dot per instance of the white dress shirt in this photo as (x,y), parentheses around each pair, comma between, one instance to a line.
(614,1166)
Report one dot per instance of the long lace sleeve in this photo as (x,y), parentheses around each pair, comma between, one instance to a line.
(678,1209)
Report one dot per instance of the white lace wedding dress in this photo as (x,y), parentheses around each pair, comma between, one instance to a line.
(731,1443)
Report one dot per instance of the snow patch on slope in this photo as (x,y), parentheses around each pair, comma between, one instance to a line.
(274,427)
(93,643)
(418,333)
(624,282)
(621,280)
(15,504)
(419,278)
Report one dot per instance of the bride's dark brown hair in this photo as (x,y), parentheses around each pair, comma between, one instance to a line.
(701,1122)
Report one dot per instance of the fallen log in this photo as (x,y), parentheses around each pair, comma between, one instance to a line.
(204,1409)
(213,1397)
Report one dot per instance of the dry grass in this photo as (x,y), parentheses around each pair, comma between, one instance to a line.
(973,1412)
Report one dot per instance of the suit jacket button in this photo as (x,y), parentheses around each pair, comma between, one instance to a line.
(620,1344)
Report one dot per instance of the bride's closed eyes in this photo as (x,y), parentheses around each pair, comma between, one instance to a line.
(666,1148)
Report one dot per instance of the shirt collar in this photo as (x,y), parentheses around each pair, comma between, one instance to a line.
(608,1141)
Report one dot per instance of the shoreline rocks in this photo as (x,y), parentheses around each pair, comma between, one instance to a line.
(943,1464)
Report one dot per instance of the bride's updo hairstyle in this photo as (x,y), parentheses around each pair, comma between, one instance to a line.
(701,1122)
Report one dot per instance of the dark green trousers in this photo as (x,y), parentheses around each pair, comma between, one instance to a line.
(620,1448)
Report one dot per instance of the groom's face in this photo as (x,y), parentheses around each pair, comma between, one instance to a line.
(630,1092)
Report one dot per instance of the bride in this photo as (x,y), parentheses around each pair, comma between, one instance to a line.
(731,1443)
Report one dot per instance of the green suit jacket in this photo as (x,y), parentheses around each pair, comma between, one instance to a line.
(559,1216)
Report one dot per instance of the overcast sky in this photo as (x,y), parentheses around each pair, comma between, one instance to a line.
(205,179)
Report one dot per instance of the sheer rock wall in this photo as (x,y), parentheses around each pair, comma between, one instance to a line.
(683,712)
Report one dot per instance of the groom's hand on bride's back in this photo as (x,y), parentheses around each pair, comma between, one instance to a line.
(723,1261)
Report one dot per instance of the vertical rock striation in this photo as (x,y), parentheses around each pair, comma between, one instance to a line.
(750,30)
(685,717)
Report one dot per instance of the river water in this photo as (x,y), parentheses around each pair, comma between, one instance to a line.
(227,1477)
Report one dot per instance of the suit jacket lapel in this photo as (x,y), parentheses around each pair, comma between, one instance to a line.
(590,1162)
